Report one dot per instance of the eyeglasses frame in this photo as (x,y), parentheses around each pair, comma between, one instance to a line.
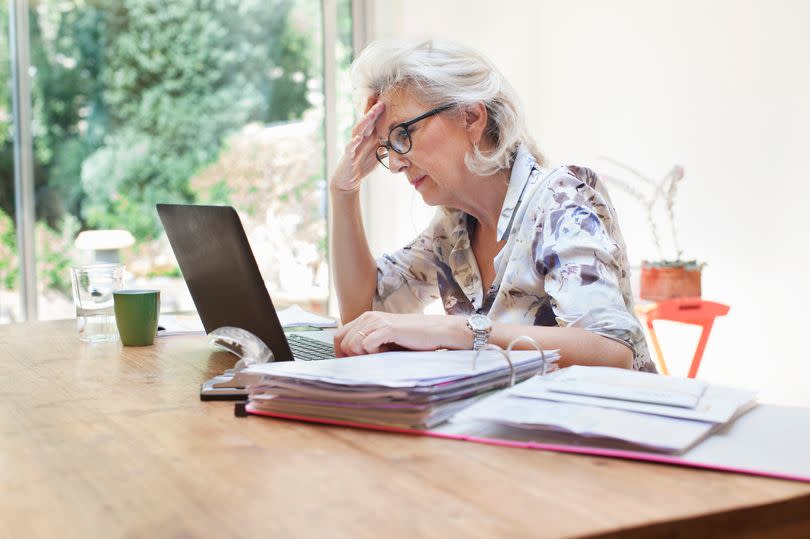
(406,125)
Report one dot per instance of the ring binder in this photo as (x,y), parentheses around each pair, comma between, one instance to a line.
(503,353)
(403,388)
(507,355)
(536,347)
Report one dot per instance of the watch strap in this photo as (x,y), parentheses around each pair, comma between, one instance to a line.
(480,336)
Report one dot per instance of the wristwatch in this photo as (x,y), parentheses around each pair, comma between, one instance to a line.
(481,325)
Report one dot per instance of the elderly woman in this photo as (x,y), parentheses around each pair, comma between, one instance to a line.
(514,248)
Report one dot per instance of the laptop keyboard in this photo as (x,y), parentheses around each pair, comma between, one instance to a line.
(305,349)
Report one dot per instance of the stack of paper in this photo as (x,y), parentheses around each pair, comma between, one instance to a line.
(663,413)
(403,389)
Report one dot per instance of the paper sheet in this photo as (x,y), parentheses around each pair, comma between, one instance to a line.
(191,324)
(658,432)
(169,324)
(627,385)
(395,369)
(294,315)
(717,405)
(403,389)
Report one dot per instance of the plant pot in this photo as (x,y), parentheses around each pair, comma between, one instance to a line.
(667,280)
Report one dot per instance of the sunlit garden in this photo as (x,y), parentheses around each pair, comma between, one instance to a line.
(137,102)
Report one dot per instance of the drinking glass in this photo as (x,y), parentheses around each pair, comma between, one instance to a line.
(93,288)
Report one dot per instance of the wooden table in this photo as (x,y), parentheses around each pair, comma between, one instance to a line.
(105,441)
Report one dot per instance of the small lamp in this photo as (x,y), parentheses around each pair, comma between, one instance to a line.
(105,244)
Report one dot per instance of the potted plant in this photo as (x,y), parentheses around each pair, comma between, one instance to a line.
(666,277)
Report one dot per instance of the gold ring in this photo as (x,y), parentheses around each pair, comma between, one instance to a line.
(361,333)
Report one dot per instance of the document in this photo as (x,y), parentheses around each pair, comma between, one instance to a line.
(395,369)
(294,315)
(170,324)
(415,390)
(600,402)
(419,390)
(717,405)
(652,431)
(622,384)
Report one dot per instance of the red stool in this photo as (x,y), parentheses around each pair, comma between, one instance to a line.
(689,311)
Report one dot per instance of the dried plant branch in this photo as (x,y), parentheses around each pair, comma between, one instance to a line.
(647,203)
(674,177)
(665,189)
(629,169)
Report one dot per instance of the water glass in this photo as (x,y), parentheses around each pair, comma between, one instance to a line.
(93,288)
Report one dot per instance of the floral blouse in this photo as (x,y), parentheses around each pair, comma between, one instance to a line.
(564,262)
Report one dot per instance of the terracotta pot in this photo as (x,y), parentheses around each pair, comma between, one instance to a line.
(667,282)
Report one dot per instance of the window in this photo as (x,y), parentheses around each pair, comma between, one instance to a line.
(136,102)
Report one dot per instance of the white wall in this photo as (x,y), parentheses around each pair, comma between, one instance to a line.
(722,88)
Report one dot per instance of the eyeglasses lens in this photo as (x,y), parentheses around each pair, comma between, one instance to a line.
(382,156)
(400,140)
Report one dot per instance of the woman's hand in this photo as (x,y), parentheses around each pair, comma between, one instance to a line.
(359,158)
(375,331)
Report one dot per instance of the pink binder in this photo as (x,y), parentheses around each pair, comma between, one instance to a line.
(757,443)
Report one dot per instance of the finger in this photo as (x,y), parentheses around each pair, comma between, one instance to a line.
(339,338)
(368,144)
(336,343)
(374,332)
(353,144)
(371,121)
(343,346)
(366,124)
(376,341)
(370,102)
(350,345)
(353,342)
(375,113)
(362,156)
(346,336)
(355,345)
(362,327)
(342,330)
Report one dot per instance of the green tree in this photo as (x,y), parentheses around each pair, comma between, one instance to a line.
(132,97)
(69,118)
(178,78)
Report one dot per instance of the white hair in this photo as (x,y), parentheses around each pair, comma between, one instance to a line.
(441,72)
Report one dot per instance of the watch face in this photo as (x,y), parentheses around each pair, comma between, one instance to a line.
(479,322)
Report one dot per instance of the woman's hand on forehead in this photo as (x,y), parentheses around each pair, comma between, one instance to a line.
(359,157)
(370,102)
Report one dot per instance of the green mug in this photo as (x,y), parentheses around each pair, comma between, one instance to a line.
(136,315)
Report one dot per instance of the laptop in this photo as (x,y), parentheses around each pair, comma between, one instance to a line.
(220,270)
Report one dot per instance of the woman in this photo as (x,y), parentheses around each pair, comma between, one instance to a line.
(514,249)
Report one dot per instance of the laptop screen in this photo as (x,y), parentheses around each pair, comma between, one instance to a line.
(221,272)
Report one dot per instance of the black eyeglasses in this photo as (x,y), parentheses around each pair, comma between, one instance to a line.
(399,137)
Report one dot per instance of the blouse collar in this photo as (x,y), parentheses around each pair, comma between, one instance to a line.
(523,168)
